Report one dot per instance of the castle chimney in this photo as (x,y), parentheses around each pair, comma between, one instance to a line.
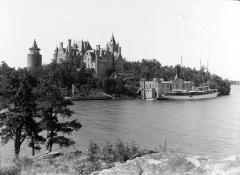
(97,62)
(61,45)
(97,48)
(75,46)
(107,47)
(119,51)
(101,53)
(69,45)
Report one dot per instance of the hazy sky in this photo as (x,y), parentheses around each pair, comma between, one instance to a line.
(164,30)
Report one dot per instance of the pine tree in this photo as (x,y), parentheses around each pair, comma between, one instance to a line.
(17,99)
(55,113)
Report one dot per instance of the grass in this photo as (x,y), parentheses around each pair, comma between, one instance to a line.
(97,157)
(109,153)
(11,170)
(104,156)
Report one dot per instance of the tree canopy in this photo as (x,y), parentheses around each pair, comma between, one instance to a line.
(29,106)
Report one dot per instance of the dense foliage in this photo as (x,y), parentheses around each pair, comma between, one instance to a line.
(64,75)
(17,98)
(28,107)
(149,69)
(126,81)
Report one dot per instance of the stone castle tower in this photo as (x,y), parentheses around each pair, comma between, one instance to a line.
(34,58)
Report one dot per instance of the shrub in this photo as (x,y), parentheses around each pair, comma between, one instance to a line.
(109,153)
(126,151)
(93,151)
(11,170)
(84,168)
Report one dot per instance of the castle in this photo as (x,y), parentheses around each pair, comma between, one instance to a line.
(81,54)
(34,58)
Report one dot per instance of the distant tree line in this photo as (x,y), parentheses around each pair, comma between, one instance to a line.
(149,69)
(120,82)
(33,111)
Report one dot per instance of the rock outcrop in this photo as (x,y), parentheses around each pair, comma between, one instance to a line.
(175,164)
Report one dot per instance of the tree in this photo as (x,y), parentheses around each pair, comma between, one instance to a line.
(17,100)
(120,86)
(55,111)
(108,85)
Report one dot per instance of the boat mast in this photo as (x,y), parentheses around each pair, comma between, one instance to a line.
(200,71)
(182,70)
(207,65)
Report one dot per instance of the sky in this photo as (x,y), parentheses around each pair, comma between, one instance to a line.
(206,30)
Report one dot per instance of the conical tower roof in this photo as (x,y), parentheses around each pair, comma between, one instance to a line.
(87,46)
(34,46)
(112,41)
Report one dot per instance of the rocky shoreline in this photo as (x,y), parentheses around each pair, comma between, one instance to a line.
(150,164)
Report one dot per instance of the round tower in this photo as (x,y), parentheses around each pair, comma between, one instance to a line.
(34,58)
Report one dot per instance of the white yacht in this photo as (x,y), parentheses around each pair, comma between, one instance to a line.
(204,92)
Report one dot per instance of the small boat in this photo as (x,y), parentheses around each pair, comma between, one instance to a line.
(204,92)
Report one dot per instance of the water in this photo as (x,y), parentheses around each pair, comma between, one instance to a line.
(210,127)
(202,127)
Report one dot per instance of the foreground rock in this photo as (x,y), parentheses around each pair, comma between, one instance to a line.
(175,164)
(77,163)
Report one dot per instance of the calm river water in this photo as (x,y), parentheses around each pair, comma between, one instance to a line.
(206,127)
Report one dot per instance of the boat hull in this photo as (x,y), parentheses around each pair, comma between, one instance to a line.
(191,97)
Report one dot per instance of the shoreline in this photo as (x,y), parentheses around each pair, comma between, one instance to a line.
(152,163)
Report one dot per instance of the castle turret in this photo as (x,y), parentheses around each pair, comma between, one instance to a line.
(34,58)
(112,44)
